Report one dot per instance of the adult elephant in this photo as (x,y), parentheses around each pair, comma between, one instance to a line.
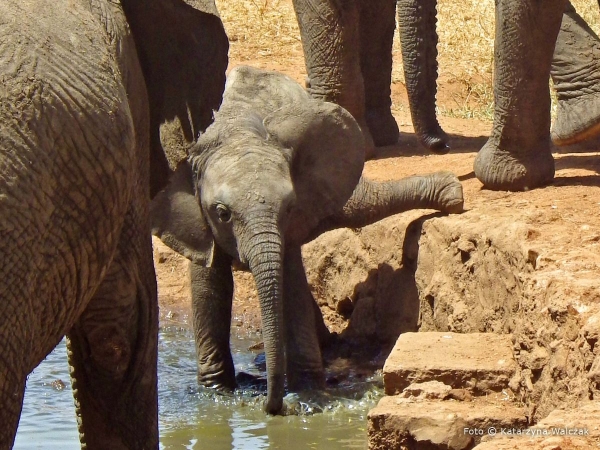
(81,100)
(348,53)
(518,154)
(274,170)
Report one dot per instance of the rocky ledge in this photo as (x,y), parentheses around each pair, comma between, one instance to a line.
(524,291)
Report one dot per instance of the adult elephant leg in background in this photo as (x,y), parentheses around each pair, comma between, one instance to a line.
(418,37)
(377,24)
(518,155)
(331,44)
(348,55)
(576,76)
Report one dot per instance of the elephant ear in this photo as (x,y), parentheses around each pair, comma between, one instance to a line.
(177,218)
(182,48)
(327,159)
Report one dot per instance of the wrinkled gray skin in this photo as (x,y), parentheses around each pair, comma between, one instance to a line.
(348,53)
(273,171)
(518,154)
(77,116)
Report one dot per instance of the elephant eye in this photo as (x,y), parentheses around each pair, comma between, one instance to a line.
(223,213)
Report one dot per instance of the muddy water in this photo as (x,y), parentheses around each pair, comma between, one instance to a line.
(191,418)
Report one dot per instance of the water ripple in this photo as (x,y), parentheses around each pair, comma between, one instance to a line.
(194,418)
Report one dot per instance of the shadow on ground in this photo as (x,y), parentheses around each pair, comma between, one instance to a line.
(408,145)
(387,305)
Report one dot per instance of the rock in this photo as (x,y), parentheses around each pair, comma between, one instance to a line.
(58,384)
(462,395)
(591,328)
(594,374)
(584,419)
(399,423)
(534,360)
(363,319)
(529,443)
(531,275)
(576,429)
(479,362)
(429,390)
(464,264)
(504,443)
(363,279)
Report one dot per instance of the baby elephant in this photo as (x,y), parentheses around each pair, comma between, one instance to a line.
(274,170)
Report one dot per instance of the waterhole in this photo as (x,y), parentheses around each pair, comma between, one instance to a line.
(193,418)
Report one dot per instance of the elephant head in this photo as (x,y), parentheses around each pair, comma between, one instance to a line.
(272,165)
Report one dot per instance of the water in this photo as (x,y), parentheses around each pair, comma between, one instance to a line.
(193,418)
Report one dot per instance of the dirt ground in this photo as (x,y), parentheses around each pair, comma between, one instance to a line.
(402,273)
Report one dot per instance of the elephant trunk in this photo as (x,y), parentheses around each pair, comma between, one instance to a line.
(418,36)
(265,260)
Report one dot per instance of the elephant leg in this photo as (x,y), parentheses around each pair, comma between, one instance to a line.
(330,40)
(303,353)
(12,391)
(112,350)
(418,37)
(518,154)
(212,296)
(372,201)
(377,26)
(576,76)
(20,352)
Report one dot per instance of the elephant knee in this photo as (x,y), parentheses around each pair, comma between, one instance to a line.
(110,351)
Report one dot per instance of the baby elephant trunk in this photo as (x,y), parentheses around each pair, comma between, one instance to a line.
(265,257)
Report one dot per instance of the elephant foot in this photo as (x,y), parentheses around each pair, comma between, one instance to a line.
(436,140)
(221,381)
(447,193)
(578,119)
(501,170)
(383,127)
